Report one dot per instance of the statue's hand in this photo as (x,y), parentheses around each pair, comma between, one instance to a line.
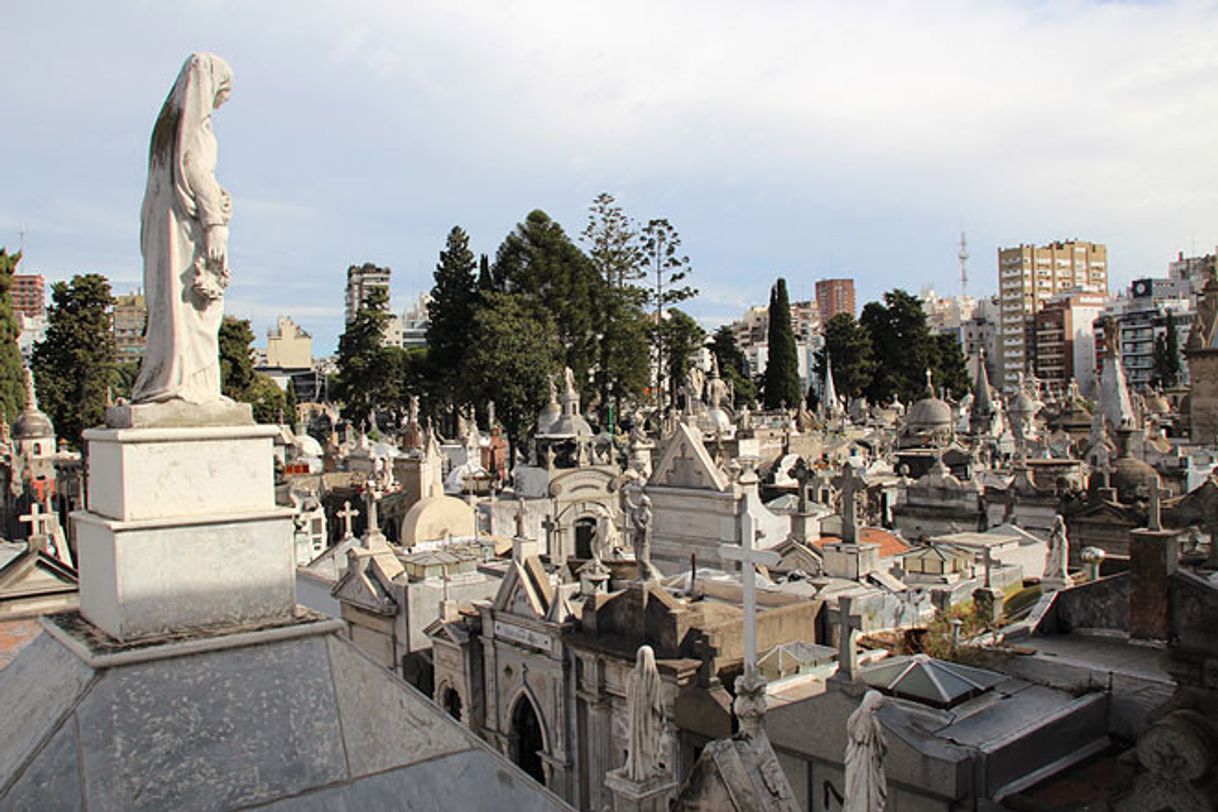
(216,243)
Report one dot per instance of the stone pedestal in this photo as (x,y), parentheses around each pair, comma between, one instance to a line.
(1153,556)
(633,796)
(182,531)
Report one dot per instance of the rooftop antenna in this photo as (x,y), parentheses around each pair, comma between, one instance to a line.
(963,257)
(21,232)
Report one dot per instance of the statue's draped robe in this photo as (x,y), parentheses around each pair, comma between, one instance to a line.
(646,706)
(866,787)
(181,201)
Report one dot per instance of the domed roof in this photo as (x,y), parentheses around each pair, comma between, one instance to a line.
(1132,478)
(548,416)
(930,413)
(718,420)
(32,423)
(1157,404)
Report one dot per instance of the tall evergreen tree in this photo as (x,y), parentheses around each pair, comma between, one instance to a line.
(902,347)
(1166,358)
(950,369)
(683,337)
(615,252)
(733,366)
(74,364)
(453,298)
(667,269)
(540,264)
(848,345)
(781,389)
(365,369)
(12,370)
(513,353)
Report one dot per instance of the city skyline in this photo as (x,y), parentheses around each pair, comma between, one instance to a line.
(808,142)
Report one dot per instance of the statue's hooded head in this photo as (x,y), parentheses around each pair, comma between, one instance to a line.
(645,658)
(204,83)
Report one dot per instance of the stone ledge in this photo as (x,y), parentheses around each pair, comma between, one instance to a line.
(179,434)
(118,525)
(179,414)
(99,650)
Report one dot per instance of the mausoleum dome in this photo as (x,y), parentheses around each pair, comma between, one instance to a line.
(436,518)
(1132,478)
(32,424)
(548,416)
(930,414)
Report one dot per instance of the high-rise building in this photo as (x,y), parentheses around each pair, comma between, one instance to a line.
(834,296)
(130,319)
(29,294)
(1144,315)
(1194,270)
(1030,275)
(361,281)
(1064,345)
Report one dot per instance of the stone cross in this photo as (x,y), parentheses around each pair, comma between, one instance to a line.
(683,468)
(374,524)
(852,483)
(749,558)
(849,625)
(1154,511)
(347,514)
(38,521)
(520,519)
(989,563)
(804,475)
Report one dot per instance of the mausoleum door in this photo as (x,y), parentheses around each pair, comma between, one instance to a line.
(526,739)
(585,537)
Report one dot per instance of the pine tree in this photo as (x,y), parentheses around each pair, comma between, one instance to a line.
(453,298)
(733,366)
(540,264)
(682,337)
(848,346)
(12,370)
(667,268)
(902,346)
(781,389)
(240,381)
(74,365)
(365,369)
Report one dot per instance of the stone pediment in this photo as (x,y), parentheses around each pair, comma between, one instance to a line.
(526,591)
(359,588)
(686,463)
(582,480)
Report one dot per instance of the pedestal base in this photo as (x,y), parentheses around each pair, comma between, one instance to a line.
(179,414)
(141,579)
(633,796)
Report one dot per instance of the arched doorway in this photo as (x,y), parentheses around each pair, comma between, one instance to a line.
(452,703)
(526,738)
(585,536)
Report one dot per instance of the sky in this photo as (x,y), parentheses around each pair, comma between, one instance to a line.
(797,139)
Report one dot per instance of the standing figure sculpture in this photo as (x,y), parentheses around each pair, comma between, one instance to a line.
(184,240)
(641,517)
(866,786)
(645,704)
(1059,551)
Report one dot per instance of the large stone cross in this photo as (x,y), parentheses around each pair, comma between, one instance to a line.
(749,558)
(849,625)
(852,484)
(39,522)
(347,514)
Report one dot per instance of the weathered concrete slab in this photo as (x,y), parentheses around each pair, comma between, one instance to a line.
(212,731)
(385,722)
(37,688)
(470,781)
(52,781)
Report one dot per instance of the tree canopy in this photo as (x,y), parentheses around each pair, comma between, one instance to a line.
(903,348)
(367,369)
(682,337)
(450,312)
(848,347)
(12,369)
(240,381)
(781,388)
(74,364)
(733,366)
(666,269)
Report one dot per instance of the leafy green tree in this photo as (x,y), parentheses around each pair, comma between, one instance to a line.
(901,344)
(667,268)
(366,369)
(540,264)
(123,382)
(781,389)
(733,366)
(74,364)
(453,298)
(513,352)
(949,366)
(848,346)
(240,381)
(683,337)
(1166,359)
(12,370)
(614,250)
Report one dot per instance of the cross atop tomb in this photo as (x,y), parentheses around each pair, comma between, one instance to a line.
(347,514)
(852,485)
(684,470)
(849,625)
(1154,511)
(374,524)
(40,523)
(749,559)
(988,560)
(806,478)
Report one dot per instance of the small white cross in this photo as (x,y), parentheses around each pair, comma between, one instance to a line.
(749,558)
(347,514)
(38,521)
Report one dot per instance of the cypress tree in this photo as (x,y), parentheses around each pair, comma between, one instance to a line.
(449,314)
(781,387)
(12,372)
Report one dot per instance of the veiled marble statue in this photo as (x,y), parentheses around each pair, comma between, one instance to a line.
(866,786)
(1058,552)
(184,240)
(645,704)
